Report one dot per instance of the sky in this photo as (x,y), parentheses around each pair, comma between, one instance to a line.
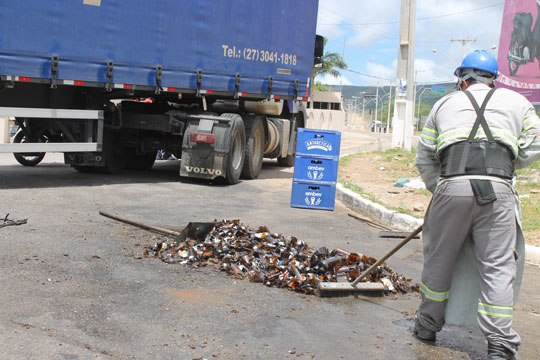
(366,32)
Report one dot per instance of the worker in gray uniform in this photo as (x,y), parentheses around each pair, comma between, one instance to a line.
(471,144)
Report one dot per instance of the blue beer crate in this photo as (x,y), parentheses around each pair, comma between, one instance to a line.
(313,195)
(315,169)
(318,142)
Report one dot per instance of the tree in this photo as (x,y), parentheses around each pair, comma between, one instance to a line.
(331,64)
(318,86)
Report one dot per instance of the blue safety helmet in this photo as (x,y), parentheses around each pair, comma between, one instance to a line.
(479,60)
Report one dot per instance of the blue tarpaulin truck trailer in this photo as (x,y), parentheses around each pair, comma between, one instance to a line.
(110,82)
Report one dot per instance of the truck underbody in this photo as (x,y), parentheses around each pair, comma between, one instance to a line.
(109,130)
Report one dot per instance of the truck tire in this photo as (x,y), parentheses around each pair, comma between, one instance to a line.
(114,153)
(235,157)
(254,153)
(27,159)
(140,162)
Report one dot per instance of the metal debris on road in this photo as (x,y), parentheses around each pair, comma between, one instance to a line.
(8,222)
(269,258)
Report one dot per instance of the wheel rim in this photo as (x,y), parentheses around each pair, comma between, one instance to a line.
(237,151)
(28,157)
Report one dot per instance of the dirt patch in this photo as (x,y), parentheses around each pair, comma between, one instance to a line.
(376,177)
(532,238)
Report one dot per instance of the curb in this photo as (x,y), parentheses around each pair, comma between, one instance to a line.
(378,212)
(532,254)
(400,221)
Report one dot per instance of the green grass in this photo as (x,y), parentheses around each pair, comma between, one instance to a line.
(528,184)
(357,189)
(344,161)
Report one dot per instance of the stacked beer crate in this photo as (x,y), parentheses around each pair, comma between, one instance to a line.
(315,169)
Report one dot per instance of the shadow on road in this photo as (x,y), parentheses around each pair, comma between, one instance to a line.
(52,175)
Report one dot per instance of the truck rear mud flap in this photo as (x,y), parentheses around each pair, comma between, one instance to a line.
(205,147)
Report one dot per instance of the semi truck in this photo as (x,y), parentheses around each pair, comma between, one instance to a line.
(220,84)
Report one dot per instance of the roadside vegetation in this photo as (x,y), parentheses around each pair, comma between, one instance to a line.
(398,164)
(528,187)
(394,164)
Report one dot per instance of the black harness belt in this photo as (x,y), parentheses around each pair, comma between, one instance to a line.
(478,157)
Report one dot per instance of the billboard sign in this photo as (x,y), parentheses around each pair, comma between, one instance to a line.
(519,49)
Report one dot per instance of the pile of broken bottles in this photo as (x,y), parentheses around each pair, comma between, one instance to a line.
(272,259)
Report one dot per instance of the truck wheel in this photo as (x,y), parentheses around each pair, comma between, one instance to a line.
(141,162)
(253,159)
(114,153)
(235,158)
(27,159)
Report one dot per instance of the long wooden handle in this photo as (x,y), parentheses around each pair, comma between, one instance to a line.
(390,253)
(141,225)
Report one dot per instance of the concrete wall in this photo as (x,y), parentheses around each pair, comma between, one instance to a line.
(326,96)
(326,119)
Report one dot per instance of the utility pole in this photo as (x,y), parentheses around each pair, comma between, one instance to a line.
(404,108)
(414,95)
(463,43)
(364,103)
(376,101)
(363,108)
(419,102)
(389,102)
(356,103)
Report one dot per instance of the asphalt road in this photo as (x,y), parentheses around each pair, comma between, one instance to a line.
(71,286)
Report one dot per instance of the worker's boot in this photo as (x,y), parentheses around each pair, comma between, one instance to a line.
(422,333)
(499,352)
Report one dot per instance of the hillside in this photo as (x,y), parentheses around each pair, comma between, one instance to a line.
(348,91)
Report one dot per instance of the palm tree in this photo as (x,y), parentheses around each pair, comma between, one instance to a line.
(331,62)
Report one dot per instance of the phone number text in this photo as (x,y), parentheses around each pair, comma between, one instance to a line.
(252,54)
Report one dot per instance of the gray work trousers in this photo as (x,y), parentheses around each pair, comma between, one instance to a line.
(452,217)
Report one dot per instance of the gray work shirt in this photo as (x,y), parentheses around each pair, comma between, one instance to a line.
(510,117)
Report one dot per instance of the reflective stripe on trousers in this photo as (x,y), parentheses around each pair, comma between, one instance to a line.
(452,217)
(495,310)
(433,295)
